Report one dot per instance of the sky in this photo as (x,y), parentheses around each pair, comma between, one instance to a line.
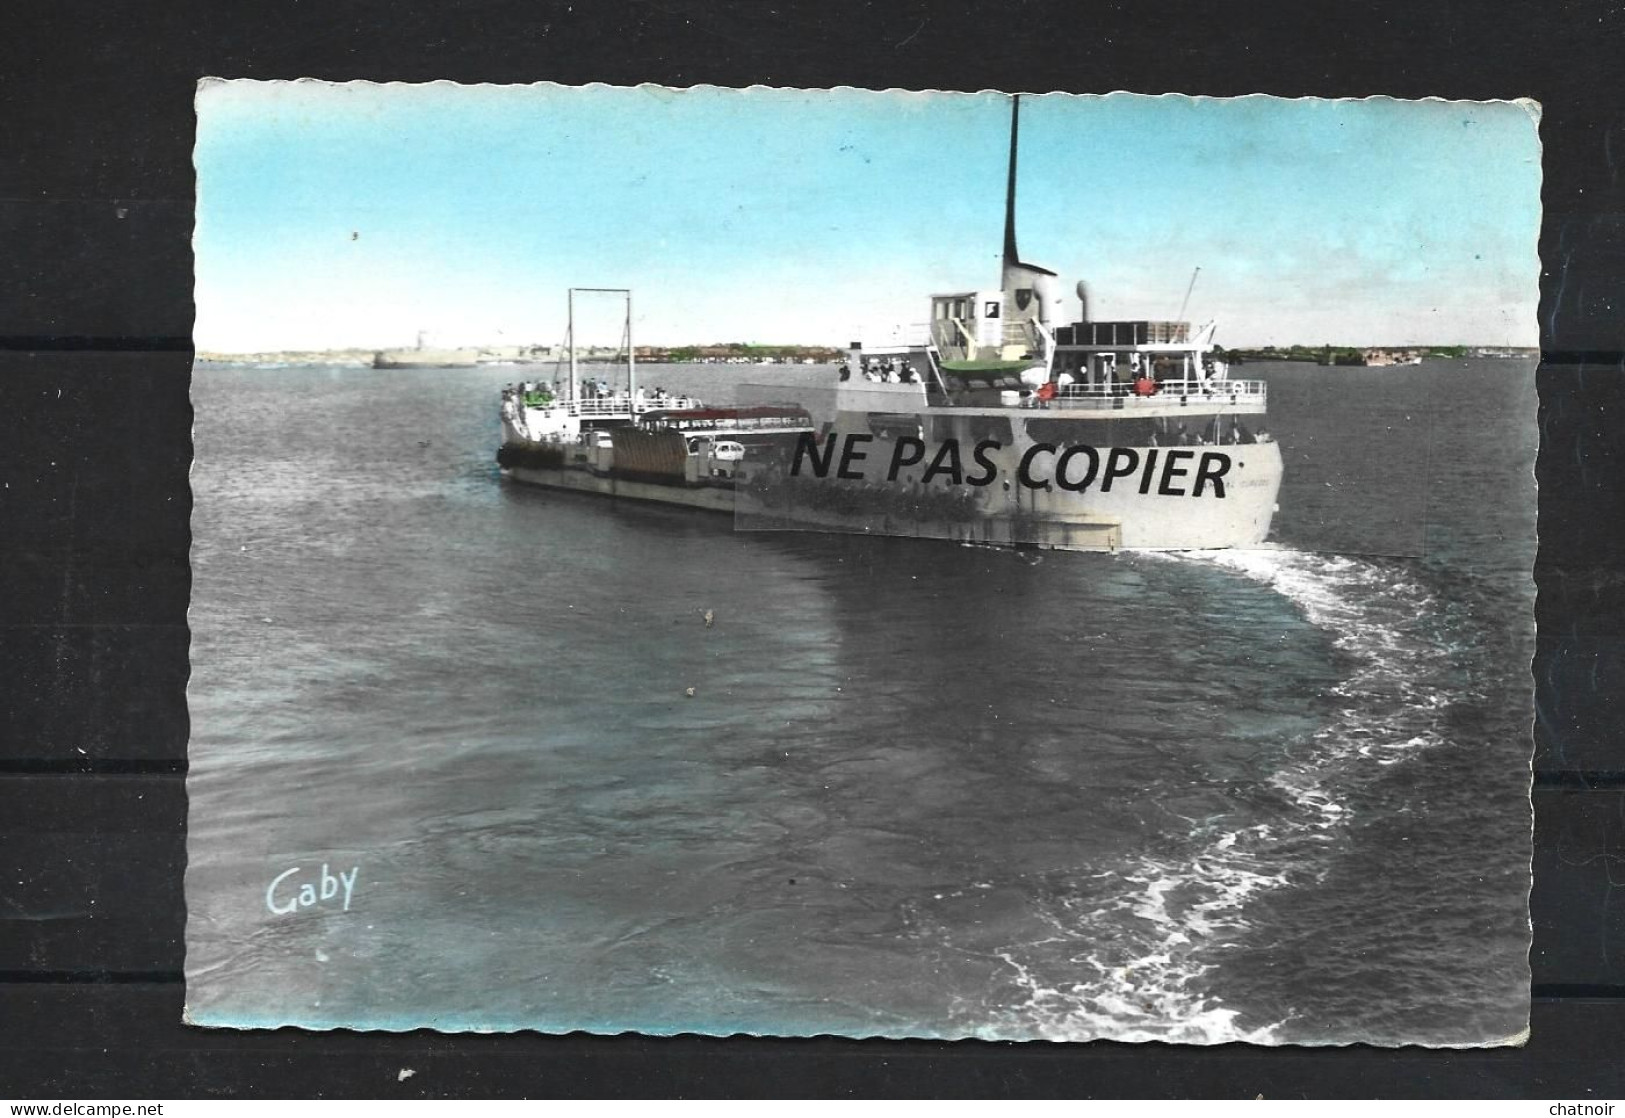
(357,215)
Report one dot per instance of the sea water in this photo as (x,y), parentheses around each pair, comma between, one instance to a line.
(599,765)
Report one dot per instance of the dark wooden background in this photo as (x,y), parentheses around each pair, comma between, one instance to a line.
(96,193)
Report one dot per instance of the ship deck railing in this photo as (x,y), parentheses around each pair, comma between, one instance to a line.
(619,406)
(705,428)
(1101,396)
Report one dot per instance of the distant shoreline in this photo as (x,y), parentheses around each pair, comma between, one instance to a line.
(290,357)
(1368,355)
(740,354)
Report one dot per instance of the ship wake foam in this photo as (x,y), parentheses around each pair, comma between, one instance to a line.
(1132,955)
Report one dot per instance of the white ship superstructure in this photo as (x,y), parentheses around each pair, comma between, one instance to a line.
(564,410)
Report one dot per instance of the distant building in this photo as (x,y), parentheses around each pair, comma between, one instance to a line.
(1392,357)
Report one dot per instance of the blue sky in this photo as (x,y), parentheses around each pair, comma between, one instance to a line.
(356,215)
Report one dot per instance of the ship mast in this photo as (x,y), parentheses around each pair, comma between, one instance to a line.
(1180,317)
(1028,290)
(570,340)
(631,360)
(1011,256)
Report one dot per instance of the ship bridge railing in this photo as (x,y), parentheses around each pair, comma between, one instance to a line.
(1113,395)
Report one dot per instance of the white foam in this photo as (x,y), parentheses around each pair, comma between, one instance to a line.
(1387,710)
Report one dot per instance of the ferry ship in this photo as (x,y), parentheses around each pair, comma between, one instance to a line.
(424,356)
(998,423)
(629,442)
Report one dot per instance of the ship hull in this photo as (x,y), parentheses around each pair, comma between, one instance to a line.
(708,498)
(1154,501)
(1014,508)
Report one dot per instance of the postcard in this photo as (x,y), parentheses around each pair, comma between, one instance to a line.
(900,564)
